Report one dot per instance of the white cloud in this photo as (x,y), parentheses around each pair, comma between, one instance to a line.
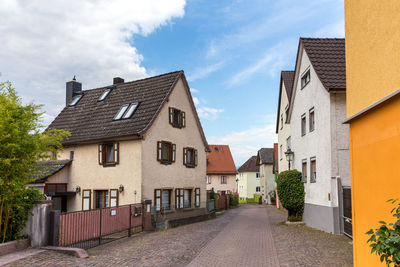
(246,143)
(45,43)
(196,101)
(332,30)
(209,113)
(204,71)
(194,91)
(272,62)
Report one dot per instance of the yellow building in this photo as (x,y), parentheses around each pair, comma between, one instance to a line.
(373,109)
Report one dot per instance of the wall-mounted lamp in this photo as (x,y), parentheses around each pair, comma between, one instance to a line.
(121,188)
(78,189)
(289,156)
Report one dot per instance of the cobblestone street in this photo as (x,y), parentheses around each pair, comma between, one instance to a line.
(248,236)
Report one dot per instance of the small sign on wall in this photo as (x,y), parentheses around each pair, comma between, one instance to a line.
(113,212)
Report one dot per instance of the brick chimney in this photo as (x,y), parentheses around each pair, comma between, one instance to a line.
(73,88)
(117,80)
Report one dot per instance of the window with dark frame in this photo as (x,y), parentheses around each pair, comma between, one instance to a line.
(179,198)
(126,111)
(101,197)
(311,119)
(223,179)
(162,199)
(187,198)
(177,118)
(197,197)
(113,197)
(305,79)
(71,155)
(257,175)
(108,154)
(257,189)
(304,171)
(189,157)
(313,169)
(303,124)
(86,199)
(281,121)
(166,152)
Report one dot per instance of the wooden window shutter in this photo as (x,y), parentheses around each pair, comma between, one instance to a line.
(195,157)
(173,152)
(171,115)
(100,154)
(183,119)
(185,156)
(159,150)
(116,153)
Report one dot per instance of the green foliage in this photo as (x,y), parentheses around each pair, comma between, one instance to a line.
(242,200)
(22,145)
(291,193)
(385,240)
(233,200)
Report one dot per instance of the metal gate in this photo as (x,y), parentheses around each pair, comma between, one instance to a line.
(91,228)
(347,217)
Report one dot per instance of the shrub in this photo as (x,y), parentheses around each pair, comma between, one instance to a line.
(233,199)
(291,193)
(260,200)
(385,240)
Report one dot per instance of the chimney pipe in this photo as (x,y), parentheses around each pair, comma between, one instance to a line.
(73,88)
(117,80)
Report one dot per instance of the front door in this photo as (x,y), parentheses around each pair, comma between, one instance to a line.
(101,199)
(347,218)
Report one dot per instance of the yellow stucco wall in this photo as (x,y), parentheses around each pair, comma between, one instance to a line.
(86,172)
(175,175)
(372,72)
(372,51)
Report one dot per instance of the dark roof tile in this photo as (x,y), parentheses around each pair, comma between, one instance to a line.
(250,165)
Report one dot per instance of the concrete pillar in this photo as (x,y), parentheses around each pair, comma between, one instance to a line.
(38,224)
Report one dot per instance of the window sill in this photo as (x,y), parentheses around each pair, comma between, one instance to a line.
(109,165)
(166,162)
(188,209)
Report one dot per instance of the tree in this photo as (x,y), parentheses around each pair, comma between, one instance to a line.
(22,146)
(291,193)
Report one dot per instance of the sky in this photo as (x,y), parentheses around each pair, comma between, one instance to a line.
(232,53)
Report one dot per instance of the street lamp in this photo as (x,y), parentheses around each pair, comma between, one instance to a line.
(289,156)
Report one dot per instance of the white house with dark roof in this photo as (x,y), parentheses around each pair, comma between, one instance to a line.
(265,161)
(282,123)
(132,141)
(319,139)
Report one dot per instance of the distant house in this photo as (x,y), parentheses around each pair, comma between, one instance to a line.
(319,139)
(249,179)
(265,161)
(282,123)
(221,170)
(130,141)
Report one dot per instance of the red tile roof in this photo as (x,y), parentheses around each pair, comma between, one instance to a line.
(220,161)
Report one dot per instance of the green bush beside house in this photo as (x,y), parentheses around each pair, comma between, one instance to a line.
(291,193)
(247,200)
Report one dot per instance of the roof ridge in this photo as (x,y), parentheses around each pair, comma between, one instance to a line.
(322,38)
(129,82)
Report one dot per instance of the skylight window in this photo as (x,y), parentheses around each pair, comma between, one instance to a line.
(130,111)
(126,111)
(121,112)
(104,95)
(75,100)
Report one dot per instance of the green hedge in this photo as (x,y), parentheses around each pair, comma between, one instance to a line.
(291,193)
(254,199)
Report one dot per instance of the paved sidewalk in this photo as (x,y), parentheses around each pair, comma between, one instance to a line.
(246,241)
(9,258)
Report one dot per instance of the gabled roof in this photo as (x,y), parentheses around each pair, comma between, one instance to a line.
(287,78)
(250,165)
(265,156)
(220,161)
(327,56)
(90,120)
(45,169)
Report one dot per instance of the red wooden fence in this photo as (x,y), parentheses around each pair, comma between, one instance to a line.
(81,226)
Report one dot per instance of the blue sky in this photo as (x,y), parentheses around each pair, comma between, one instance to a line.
(232,53)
